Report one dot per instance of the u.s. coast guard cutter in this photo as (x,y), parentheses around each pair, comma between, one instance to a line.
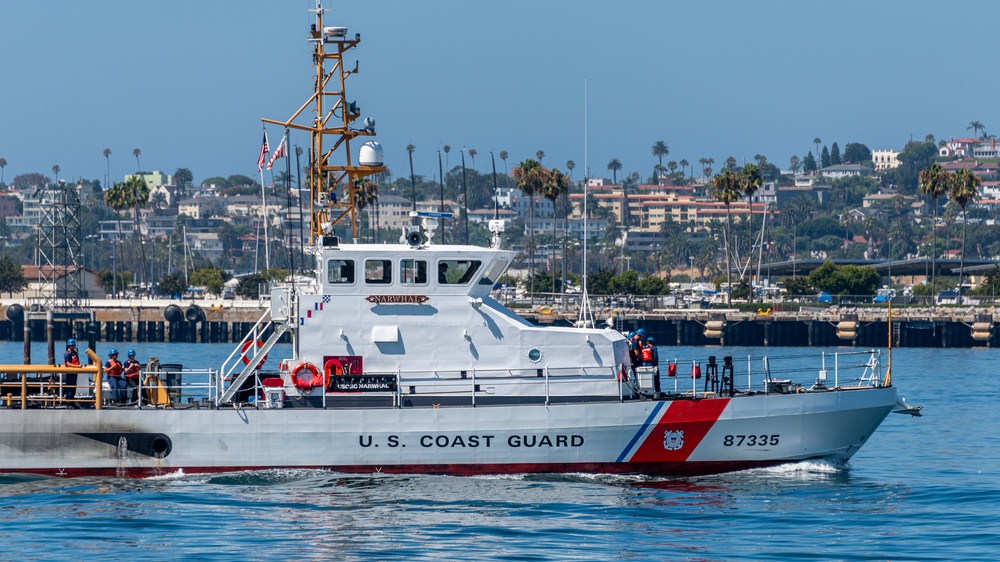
(403,363)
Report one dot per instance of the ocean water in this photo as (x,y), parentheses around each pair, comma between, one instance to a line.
(924,488)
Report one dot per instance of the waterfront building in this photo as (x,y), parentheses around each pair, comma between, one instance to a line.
(885,160)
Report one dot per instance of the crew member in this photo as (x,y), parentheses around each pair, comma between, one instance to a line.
(70,359)
(650,358)
(442,273)
(132,368)
(114,370)
(635,349)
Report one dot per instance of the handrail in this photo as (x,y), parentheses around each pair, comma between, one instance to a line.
(238,351)
(553,382)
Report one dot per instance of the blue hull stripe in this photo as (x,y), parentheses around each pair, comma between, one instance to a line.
(641,432)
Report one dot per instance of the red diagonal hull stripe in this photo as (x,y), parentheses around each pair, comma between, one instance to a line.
(693,417)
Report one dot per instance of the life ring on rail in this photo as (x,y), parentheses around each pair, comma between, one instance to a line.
(306,376)
(247,345)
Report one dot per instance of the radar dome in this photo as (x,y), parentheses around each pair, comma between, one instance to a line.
(371,154)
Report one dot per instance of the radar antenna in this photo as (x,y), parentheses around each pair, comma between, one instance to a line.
(333,117)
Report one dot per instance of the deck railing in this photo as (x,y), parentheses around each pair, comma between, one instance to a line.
(42,386)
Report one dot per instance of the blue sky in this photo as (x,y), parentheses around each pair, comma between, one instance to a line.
(187,81)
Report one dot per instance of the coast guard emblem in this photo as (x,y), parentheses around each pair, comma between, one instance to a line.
(673,440)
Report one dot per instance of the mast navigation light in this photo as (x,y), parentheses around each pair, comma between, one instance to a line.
(369,124)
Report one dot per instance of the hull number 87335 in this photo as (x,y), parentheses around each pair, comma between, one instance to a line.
(751,440)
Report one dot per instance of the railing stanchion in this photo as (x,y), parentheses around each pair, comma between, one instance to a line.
(836,370)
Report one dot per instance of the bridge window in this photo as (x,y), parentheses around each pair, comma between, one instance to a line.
(493,273)
(413,272)
(378,272)
(340,272)
(457,272)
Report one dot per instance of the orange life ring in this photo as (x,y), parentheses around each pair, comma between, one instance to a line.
(243,352)
(308,380)
(333,368)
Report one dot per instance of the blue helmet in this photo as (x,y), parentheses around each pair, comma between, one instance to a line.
(71,342)
(630,334)
(112,352)
(641,332)
(131,353)
(650,340)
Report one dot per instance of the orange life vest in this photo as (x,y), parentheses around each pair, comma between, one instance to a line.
(114,368)
(132,371)
(647,353)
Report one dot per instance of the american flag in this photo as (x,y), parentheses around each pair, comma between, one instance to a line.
(263,154)
(278,153)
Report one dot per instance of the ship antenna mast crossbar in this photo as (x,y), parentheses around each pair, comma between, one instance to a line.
(325,177)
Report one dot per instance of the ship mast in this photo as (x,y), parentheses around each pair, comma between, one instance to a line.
(333,117)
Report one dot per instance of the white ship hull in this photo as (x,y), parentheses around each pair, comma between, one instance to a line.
(680,437)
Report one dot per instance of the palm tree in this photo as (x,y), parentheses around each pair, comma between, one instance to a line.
(660,149)
(816,141)
(530,176)
(446,149)
(672,166)
(115,198)
(976,126)
(136,196)
(367,197)
(570,165)
(136,152)
(55,170)
(934,182)
(731,163)
(684,164)
(158,200)
(794,163)
(107,171)
(229,237)
(708,166)
(503,156)
(846,220)
(555,186)
(413,182)
(659,170)
(540,155)
(964,188)
(614,165)
(790,217)
(750,182)
(3,164)
(472,154)
(726,189)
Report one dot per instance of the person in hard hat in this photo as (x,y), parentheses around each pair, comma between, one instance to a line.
(650,358)
(132,369)
(70,359)
(113,371)
(635,349)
